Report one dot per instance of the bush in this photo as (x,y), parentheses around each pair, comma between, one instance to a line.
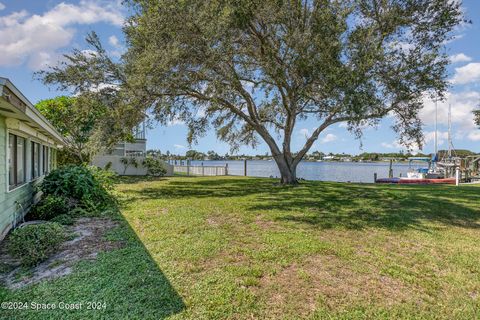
(64,219)
(34,243)
(50,207)
(81,183)
(106,178)
(154,167)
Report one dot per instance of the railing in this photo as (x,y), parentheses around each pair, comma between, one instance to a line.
(201,170)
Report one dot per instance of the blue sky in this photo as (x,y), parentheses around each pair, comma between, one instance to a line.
(34,34)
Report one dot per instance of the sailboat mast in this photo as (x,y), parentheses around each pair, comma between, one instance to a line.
(449,130)
(436,124)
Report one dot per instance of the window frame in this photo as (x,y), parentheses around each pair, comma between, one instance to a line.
(34,143)
(45,158)
(28,159)
(16,185)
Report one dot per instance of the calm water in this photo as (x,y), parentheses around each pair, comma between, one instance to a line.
(326,171)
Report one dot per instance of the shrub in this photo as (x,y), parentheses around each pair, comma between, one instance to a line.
(36,242)
(108,166)
(128,162)
(106,178)
(50,207)
(64,219)
(81,183)
(154,167)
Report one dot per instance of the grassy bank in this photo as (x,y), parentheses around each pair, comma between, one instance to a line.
(242,248)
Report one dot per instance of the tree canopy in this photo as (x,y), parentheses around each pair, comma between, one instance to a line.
(79,120)
(102,110)
(253,69)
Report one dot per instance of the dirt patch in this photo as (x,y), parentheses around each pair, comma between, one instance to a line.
(265,224)
(329,281)
(88,242)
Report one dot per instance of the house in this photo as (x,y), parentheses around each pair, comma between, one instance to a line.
(330,158)
(137,147)
(28,151)
(133,153)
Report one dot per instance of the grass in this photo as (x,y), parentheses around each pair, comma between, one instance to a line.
(242,248)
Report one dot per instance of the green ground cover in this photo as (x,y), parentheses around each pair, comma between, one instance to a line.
(243,248)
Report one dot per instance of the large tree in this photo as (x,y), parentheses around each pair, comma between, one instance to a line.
(253,69)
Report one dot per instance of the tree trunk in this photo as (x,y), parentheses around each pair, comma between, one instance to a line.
(288,171)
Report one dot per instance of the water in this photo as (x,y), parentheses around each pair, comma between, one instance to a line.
(325,171)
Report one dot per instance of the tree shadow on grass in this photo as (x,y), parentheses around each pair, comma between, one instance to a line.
(127,280)
(358,207)
(203,187)
(336,205)
(137,179)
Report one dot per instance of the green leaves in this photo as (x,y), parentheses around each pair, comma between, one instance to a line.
(96,118)
(252,69)
(86,185)
(81,121)
(36,242)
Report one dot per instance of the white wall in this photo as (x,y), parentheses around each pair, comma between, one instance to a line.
(118,167)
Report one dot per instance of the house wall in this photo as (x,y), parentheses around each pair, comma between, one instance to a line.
(15,203)
(123,148)
(115,164)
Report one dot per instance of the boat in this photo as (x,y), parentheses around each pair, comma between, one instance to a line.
(437,172)
(417,180)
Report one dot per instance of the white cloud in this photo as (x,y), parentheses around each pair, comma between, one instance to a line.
(362,126)
(329,138)
(474,135)
(454,38)
(462,104)
(2,6)
(304,132)
(413,148)
(36,38)
(429,136)
(460,57)
(113,40)
(179,146)
(175,122)
(392,145)
(466,74)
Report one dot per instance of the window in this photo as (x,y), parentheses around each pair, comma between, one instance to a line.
(16,161)
(44,159)
(35,160)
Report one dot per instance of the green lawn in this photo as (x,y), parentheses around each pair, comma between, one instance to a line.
(244,248)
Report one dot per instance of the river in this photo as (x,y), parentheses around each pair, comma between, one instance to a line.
(325,171)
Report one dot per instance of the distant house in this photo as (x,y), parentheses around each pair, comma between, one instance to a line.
(28,151)
(137,147)
(134,150)
(330,158)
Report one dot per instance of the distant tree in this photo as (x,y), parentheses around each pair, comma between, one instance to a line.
(79,120)
(476,115)
(457,152)
(154,152)
(253,69)
(212,155)
(194,155)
